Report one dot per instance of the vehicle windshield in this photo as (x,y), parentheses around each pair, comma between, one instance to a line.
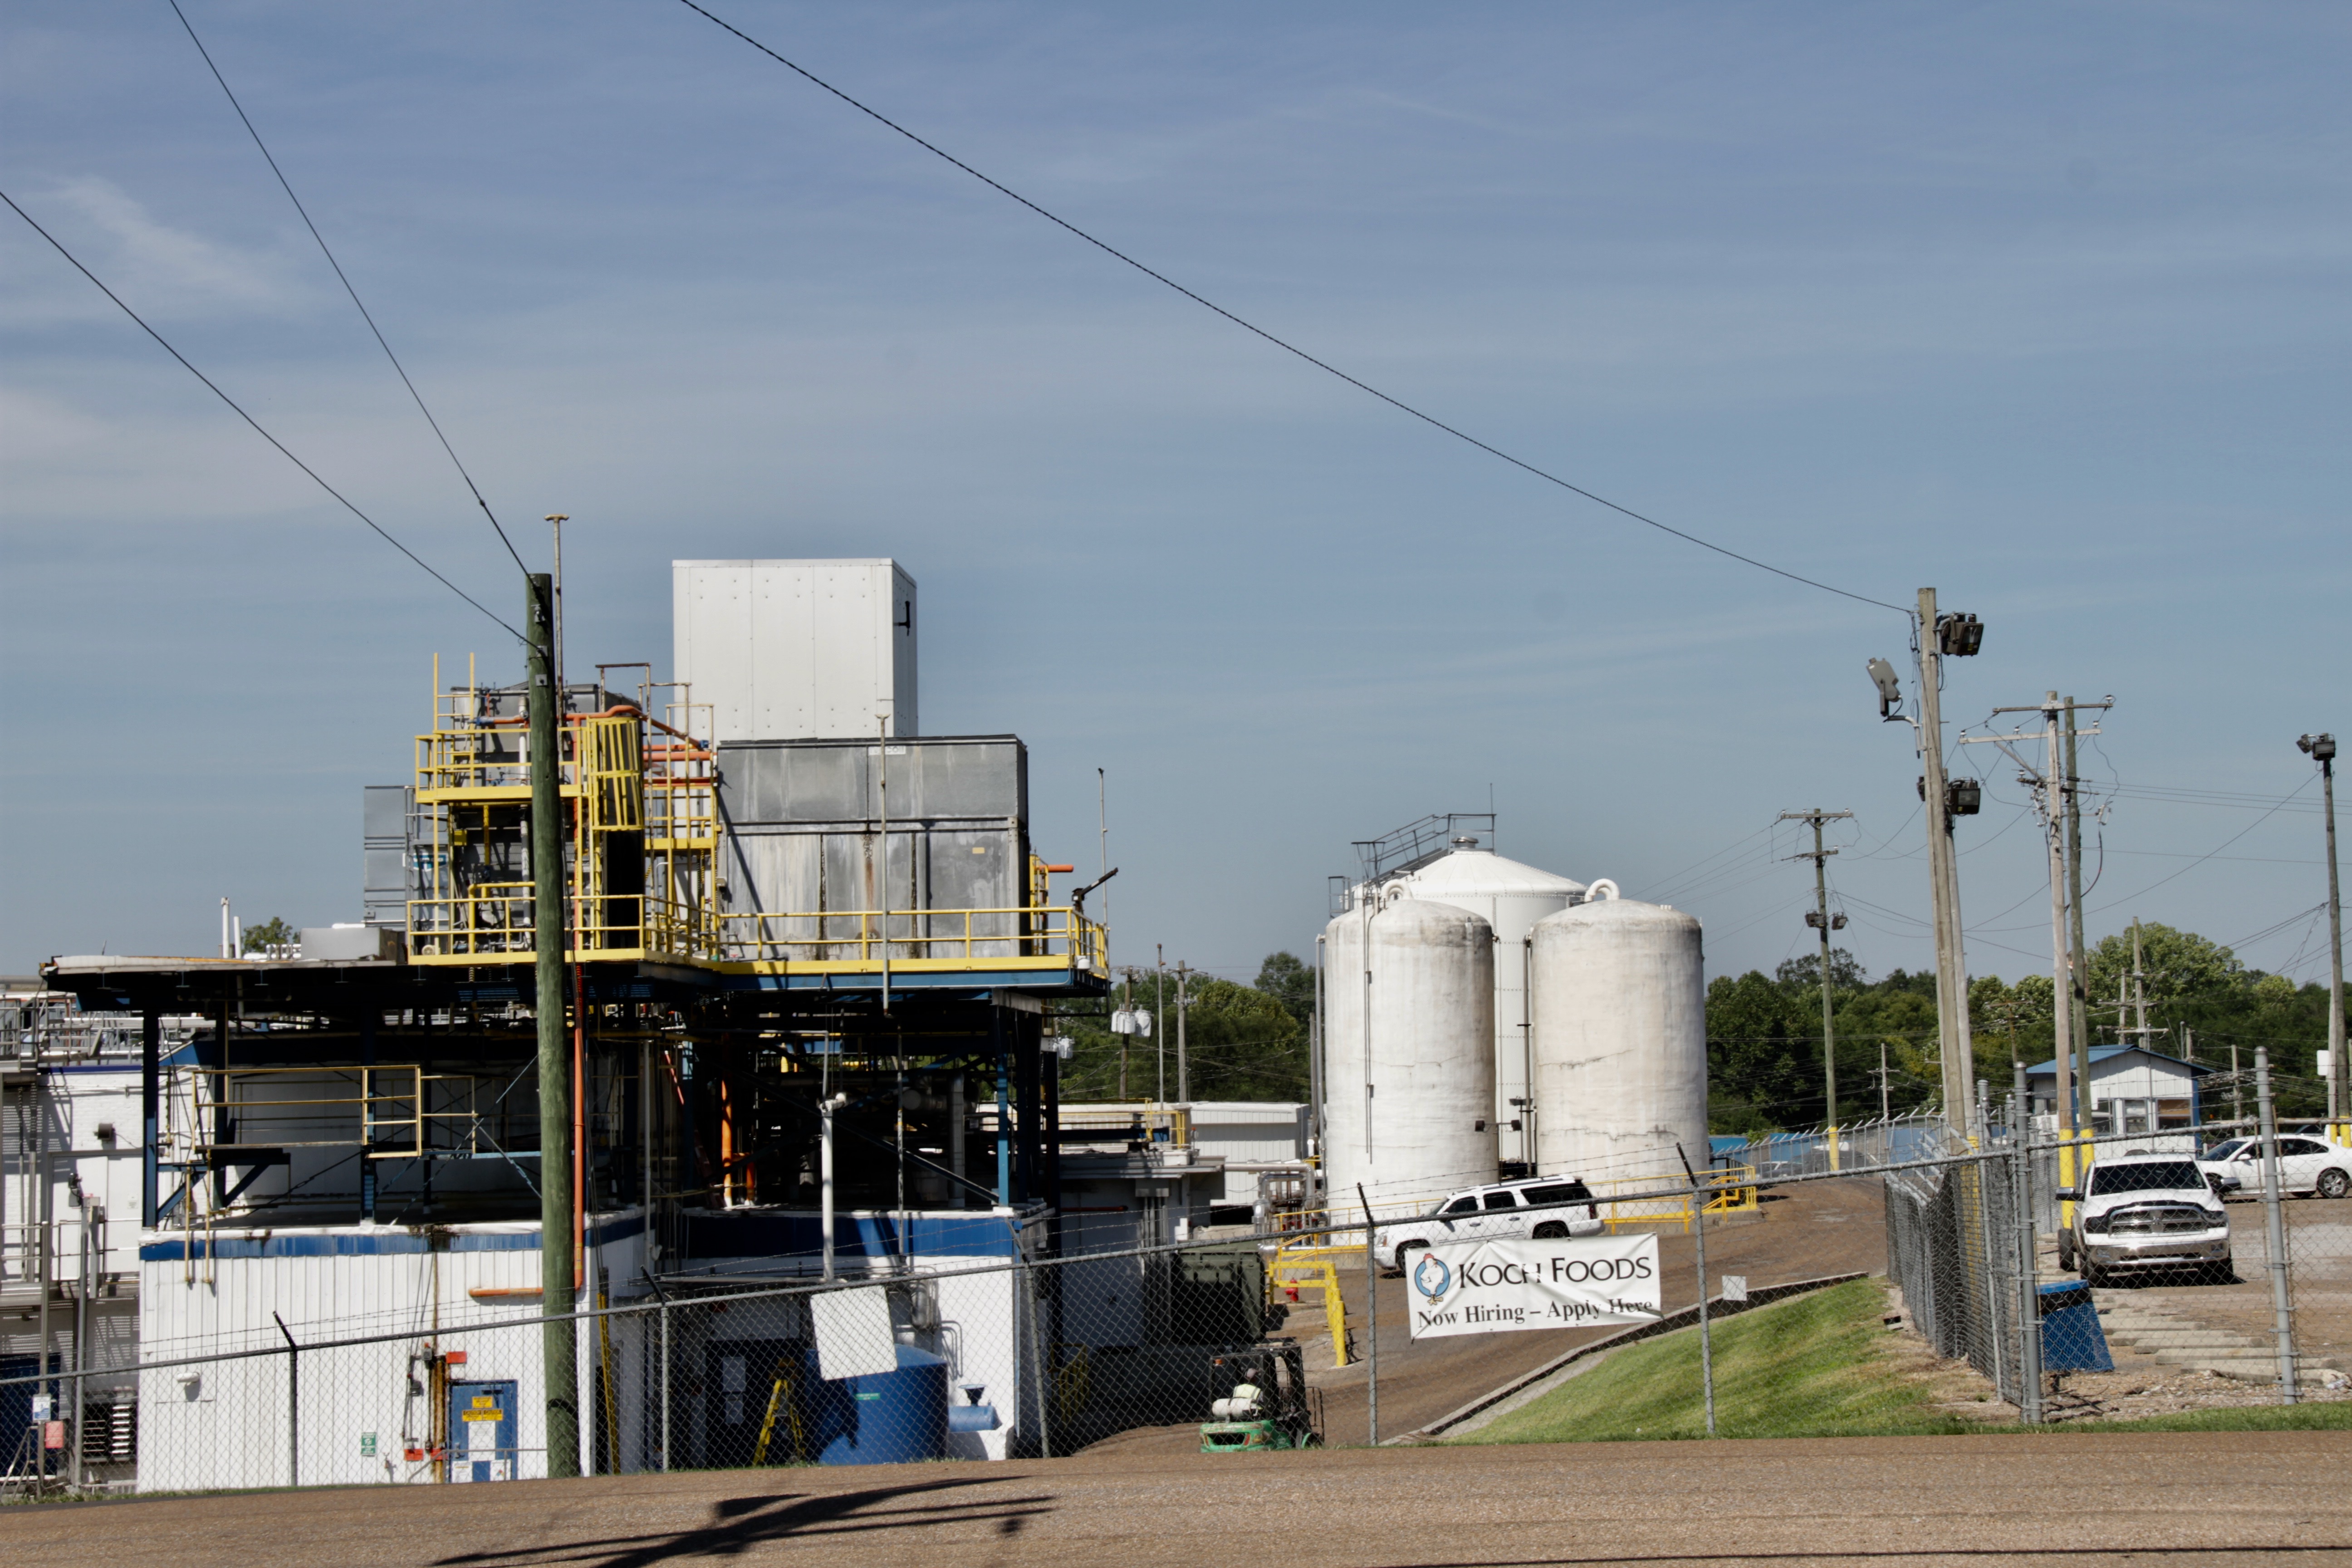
(2155,1176)
(2223,1150)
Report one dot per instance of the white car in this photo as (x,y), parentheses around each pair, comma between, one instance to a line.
(2144,1211)
(1543,1207)
(2306,1165)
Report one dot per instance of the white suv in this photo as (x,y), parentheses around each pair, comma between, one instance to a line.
(2144,1211)
(1544,1207)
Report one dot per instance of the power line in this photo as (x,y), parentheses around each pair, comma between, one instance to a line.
(398,368)
(1395,402)
(2257,822)
(249,419)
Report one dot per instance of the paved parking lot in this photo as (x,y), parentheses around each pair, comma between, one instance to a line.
(2074,1499)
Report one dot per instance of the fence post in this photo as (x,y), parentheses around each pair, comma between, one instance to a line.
(2029,1293)
(1705,1334)
(2274,1228)
(1037,1358)
(664,1381)
(293,1405)
(1371,1324)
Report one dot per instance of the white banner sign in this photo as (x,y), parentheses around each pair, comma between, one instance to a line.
(1491,1287)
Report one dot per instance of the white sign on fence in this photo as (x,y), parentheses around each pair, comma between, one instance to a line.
(1493,1287)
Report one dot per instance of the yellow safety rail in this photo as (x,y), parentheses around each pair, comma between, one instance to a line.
(1305,1266)
(642,818)
(857,941)
(1119,1123)
(491,923)
(1732,1190)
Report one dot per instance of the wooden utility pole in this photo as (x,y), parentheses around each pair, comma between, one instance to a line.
(2079,966)
(2062,958)
(1821,919)
(2048,782)
(558,1349)
(1958,1057)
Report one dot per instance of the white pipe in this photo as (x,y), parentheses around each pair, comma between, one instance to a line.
(1593,889)
(226,951)
(825,1174)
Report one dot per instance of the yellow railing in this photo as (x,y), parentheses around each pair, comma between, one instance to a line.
(917,938)
(1313,1265)
(1148,1122)
(1732,1190)
(491,921)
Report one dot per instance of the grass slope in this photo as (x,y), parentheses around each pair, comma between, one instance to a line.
(1807,1367)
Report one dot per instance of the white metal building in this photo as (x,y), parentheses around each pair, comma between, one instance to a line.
(796,649)
(2133,1089)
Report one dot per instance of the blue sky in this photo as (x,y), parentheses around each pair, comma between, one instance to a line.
(2044,305)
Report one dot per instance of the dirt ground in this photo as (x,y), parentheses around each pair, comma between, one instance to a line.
(1800,1232)
(2083,1499)
(2319,1274)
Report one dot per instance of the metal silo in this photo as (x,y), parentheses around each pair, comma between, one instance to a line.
(1620,1003)
(1511,897)
(1409,1052)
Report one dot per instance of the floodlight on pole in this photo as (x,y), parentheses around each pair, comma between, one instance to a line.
(1890,687)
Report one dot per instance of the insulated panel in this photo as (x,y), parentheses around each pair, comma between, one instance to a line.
(794,649)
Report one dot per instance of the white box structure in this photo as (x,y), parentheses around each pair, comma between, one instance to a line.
(796,649)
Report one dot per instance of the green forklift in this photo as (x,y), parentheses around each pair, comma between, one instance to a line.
(1267,1404)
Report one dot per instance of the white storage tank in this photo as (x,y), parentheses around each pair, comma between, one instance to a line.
(1620,1003)
(1511,897)
(1409,1096)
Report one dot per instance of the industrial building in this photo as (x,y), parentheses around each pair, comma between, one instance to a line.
(786,908)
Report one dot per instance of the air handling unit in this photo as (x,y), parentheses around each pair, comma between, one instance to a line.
(788,650)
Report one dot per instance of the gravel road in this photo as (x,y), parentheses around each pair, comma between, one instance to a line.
(2077,1498)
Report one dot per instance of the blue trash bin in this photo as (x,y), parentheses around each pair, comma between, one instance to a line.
(2072,1340)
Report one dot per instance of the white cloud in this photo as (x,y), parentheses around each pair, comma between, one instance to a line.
(158,269)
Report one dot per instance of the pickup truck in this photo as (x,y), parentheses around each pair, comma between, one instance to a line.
(2144,1211)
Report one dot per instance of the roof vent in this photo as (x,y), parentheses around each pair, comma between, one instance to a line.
(1468,841)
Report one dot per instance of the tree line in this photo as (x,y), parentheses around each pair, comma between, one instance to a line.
(1764,1032)
(1241,1042)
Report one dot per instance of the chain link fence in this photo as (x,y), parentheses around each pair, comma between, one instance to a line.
(2035,1293)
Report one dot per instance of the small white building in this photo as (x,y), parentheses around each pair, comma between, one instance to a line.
(2132,1090)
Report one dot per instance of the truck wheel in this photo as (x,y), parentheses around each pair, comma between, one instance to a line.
(2333,1183)
(1404,1255)
(1552,1230)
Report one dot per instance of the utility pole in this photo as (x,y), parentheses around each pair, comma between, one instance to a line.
(1819,920)
(1183,1071)
(1160,1018)
(558,1330)
(1959,635)
(1883,1113)
(2061,955)
(2049,784)
(2079,968)
(2339,1082)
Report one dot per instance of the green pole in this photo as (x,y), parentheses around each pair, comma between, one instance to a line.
(558,1335)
